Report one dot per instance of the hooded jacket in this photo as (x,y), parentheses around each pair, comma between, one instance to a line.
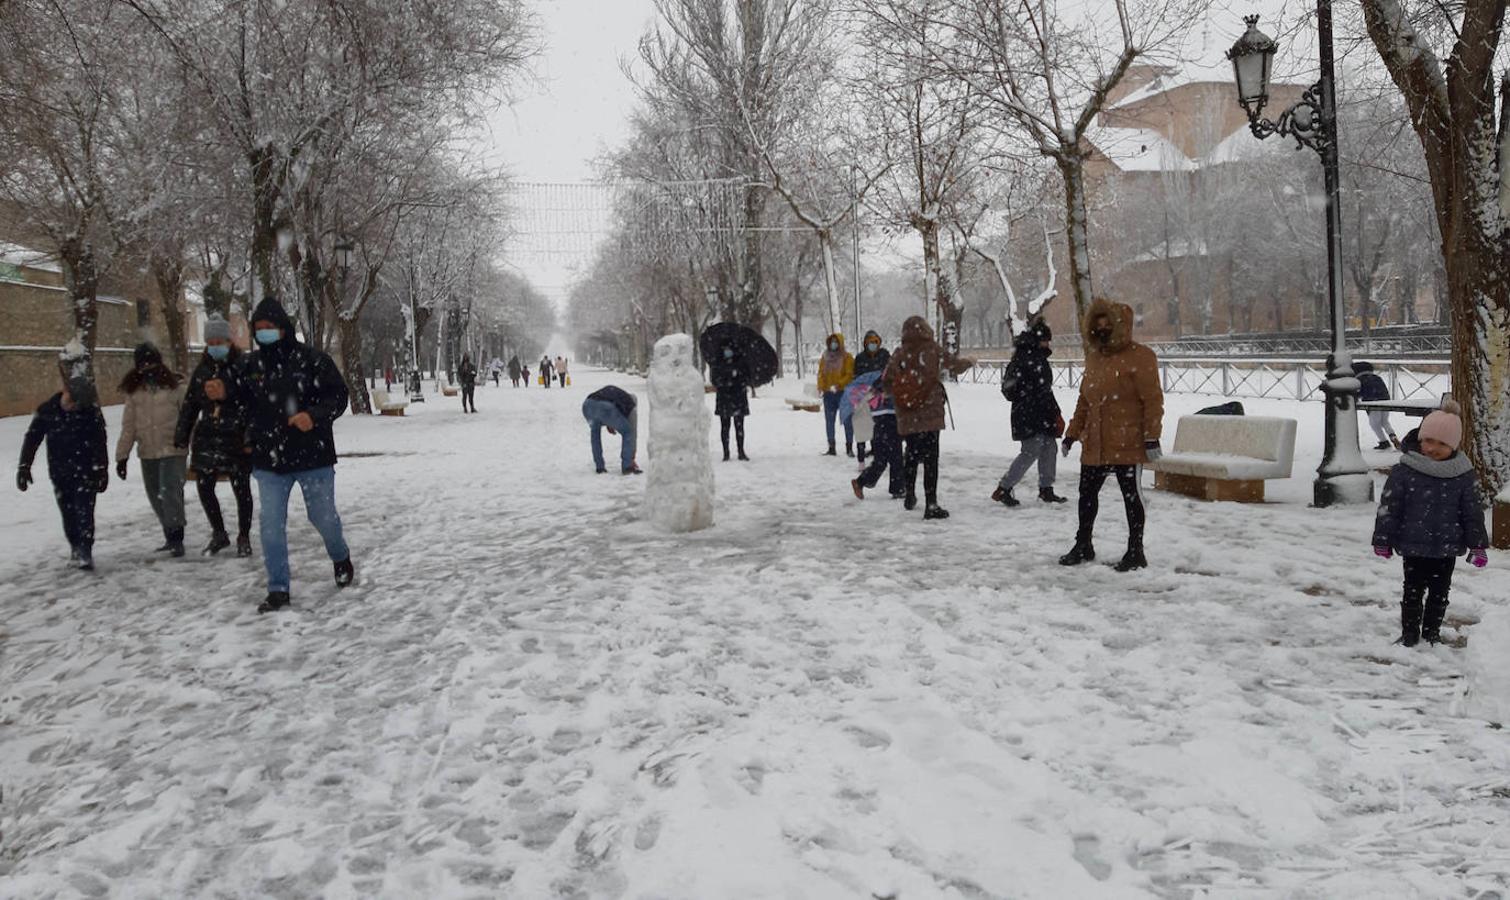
(1431,508)
(150,419)
(1121,402)
(77,458)
(731,382)
(914,379)
(466,373)
(1029,384)
(216,432)
(865,361)
(836,368)
(281,379)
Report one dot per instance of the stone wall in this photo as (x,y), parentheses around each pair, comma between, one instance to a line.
(35,323)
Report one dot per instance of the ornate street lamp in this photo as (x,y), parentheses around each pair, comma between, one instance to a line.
(343,250)
(1342,476)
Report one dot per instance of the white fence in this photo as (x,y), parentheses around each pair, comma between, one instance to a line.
(1256,379)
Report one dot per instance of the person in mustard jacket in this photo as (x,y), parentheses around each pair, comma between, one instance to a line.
(1118,421)
(154,396)
(836,369)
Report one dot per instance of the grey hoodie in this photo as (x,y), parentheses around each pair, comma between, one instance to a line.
(1431,508)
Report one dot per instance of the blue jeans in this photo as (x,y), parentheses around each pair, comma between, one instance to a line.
(830,411)
(319,488)
(601,414)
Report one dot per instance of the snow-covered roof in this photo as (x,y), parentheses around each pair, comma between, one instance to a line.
(1167,80)
(1139,150)
(27,258)
(1177,249)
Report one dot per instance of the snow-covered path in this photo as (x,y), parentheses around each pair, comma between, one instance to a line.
(531,694)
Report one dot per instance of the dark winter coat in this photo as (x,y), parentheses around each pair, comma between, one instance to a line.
(1431,508)
(914,379)
(282,379)
(77,457)
(622,400)
(865,361)
(1029,384)
(1121,403)
(466,374)
(1371,386)
(216,432)
(731,383)
(515,369)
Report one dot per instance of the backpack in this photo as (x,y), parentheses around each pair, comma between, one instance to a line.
(1010,383)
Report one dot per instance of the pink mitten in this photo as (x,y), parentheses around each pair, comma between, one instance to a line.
(1383,552)
(1478,557)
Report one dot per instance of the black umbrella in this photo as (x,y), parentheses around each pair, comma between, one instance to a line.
(751,350)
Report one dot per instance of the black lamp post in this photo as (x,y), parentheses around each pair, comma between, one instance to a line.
(343,250)
(1342,476)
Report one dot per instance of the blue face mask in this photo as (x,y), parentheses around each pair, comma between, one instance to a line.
(218,352)
(728,354)
(268,335)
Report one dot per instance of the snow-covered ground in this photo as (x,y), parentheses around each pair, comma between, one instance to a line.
(530,693)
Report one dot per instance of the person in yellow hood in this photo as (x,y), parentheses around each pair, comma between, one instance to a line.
(836,369)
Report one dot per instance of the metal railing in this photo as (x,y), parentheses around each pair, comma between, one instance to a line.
(1255,379)
(1394,342)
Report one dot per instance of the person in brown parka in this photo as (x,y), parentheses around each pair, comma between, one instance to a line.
(1118,420)
(914,379)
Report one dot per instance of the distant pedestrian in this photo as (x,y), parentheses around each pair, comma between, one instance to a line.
(547,371)
(836,368)
(561,369)
(914,378)
(1372,387)
(215,431)
(1430,514)
(466,373)
(293,393)
(154,395)
(615,409)
(873,357)
(494,368)
(78,461)
(1118,420)
(1037,425)
(730,377)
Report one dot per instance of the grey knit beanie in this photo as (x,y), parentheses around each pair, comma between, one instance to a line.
(216,329)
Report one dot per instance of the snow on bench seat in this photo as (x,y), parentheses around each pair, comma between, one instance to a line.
(810,401)
(1227,457)
(388,405)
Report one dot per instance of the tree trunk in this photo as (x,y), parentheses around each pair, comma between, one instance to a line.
(168,273)
(835,313)
(350,333)
(1077,227)
(928,230)
(82,279)
(1477,293)
(264,162)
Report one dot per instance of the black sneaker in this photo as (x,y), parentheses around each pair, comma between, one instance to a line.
(1132,559)
(1383,445)
(934,511)
(345,572)
(218,542)
(1080,553)
(275,601)
(1047,495)
(243,545)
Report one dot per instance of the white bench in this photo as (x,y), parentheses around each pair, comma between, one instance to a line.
(810,401)
(1227,457)
(387,405)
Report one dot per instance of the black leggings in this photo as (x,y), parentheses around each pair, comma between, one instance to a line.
(922,449)
(739,431)
(469,397)
(241,489)
(1091,479)
(1428,578)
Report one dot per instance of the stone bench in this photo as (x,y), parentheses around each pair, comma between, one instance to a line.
(1227,457)
(386,404)
(810,401)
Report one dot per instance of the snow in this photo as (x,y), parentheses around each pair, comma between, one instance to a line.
(679,493)
(1139,149)
(28,258)
(533,692)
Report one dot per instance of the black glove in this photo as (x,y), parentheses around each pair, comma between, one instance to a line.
(101,481)
(1068,443)
(1152,450)
(120,470)
(23,478)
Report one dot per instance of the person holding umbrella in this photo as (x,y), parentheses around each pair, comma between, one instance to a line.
(739,359)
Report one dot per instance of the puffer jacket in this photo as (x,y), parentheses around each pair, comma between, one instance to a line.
(215,432)
(1028,384)
(865,361)
(1121,402)
(1431,508)
(914,379)
(835,369)
(150,423)
(284,378)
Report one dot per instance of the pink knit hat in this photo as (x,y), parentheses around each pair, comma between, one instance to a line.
(1444,427)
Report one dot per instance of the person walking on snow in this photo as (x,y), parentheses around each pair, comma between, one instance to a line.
(154,395)
(1430,514)
(885,447)
(730,378)
(78,461)
(215,431)
(615,409)
(293,393)
(836,369)
(466,374)
(1372,387)
(514,370)
(914,378)
(1037,425)
(545,371)
(1118,420)
(872,358)
(561,369)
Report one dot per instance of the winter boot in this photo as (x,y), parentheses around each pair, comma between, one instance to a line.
(176,543)
(854,485)
(934,511)
(1005,498)
(1047,495)
(275,601)
(726,454)
(1082,552)
(218,542)
(910,500)
(1410,624)
(243,545)
(345,572)
(86,559)
(849,450)
(1132,559)
(1431,623)
(1382,445)
(831,451)
(742,457)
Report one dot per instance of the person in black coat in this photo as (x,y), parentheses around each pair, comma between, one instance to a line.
(730,377)
(78,462)
(466,373)
(216,433)
(1372,387)
(1037,424)
(872,358)
(1430,513)
(293,393)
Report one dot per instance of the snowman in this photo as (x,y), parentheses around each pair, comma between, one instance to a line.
(679,490)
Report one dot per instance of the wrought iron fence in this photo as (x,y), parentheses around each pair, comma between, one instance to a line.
(1255,379)
(1402,342)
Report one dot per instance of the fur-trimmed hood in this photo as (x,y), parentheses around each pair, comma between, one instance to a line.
(1121,317)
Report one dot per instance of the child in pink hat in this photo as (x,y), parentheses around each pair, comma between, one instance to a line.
(1431,514)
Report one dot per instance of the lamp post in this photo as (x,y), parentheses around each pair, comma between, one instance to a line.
(1343,476)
